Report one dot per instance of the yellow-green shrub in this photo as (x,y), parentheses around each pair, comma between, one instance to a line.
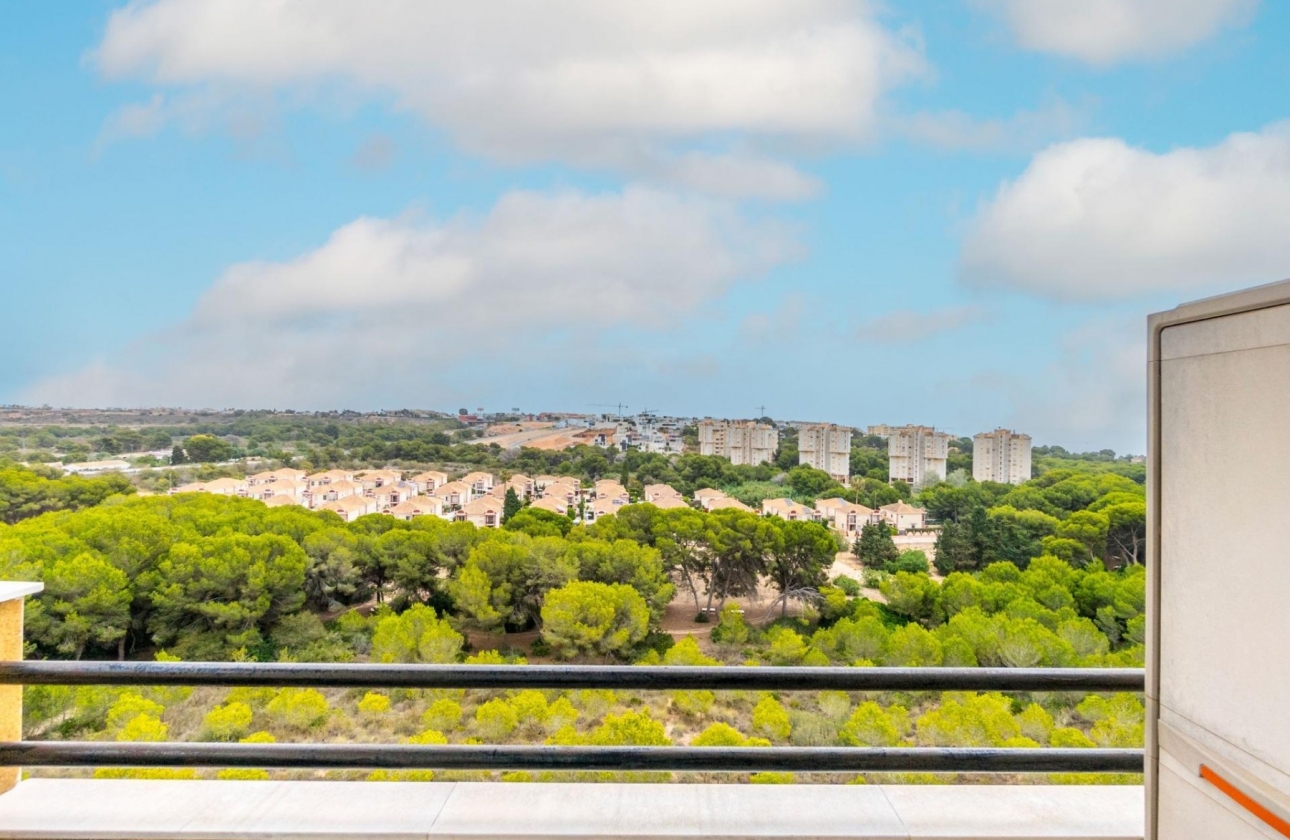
(227,722)
(374,703)
(298,708)
(442,715)
(770,719)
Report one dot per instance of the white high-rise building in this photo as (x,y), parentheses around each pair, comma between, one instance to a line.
(917,454)
(743,442)
(1002,456)
(826,447)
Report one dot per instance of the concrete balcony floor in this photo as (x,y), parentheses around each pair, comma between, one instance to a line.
(103,809)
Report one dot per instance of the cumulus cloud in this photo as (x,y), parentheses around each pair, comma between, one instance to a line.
(1098,219)
(395,306)
(606,84)
(1103,32)
(908,326)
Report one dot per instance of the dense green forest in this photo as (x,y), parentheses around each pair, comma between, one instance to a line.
(1045,574)
(211,577)
(26,492)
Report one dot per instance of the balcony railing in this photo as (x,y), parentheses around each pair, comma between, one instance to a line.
(501,677)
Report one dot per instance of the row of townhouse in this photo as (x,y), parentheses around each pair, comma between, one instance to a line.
(479,498)
(848,518)
(351,495)
(607,496)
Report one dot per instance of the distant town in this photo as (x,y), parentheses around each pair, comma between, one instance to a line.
(917,455)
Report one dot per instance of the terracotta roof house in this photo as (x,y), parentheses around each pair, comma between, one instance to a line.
(521,484)
(708,495)
(454,493)
(278,487)
(284,474)
(329,477)
(902,516)
(351,507)
(485,512)
(565,490)
(728,503)
(787,509)
(609,488)
(226,487)
(654,492)
(387,496)
(428,481)
(554,504)
(480,482)
(417,506)
(847,518)
(379,478)
(543,481)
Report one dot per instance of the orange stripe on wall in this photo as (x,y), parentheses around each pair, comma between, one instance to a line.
(1244,800)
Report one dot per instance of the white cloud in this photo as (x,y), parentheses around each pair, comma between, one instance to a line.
(734,175)
(1103,32)
(1026,130)
(392,307)
(907,326)
(602,84)
(1098,219)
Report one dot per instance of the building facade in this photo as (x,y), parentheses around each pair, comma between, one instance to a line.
(1002,456)
(742,441)
(847,518)
(917,454)
(826,447)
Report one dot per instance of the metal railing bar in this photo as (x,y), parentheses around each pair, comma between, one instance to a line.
(372,675)
(469,757)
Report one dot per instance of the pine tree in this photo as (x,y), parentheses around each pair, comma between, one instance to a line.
(875,548)
(954,548)
(511,505)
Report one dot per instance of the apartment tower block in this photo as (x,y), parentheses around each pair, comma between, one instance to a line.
(917,454)
(1002,456)
(826,447)
(742,441)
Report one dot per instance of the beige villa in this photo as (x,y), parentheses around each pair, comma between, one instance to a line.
(903,516)
(351,507)
(485,512)
(417,506)
(787,509)
(847,518)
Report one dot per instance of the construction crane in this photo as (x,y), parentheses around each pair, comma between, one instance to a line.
(761,411)
(619,406)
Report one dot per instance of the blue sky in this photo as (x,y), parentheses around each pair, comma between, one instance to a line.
(951,212)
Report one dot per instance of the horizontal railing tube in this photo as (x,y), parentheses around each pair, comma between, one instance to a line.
(672,678)
(464,757)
